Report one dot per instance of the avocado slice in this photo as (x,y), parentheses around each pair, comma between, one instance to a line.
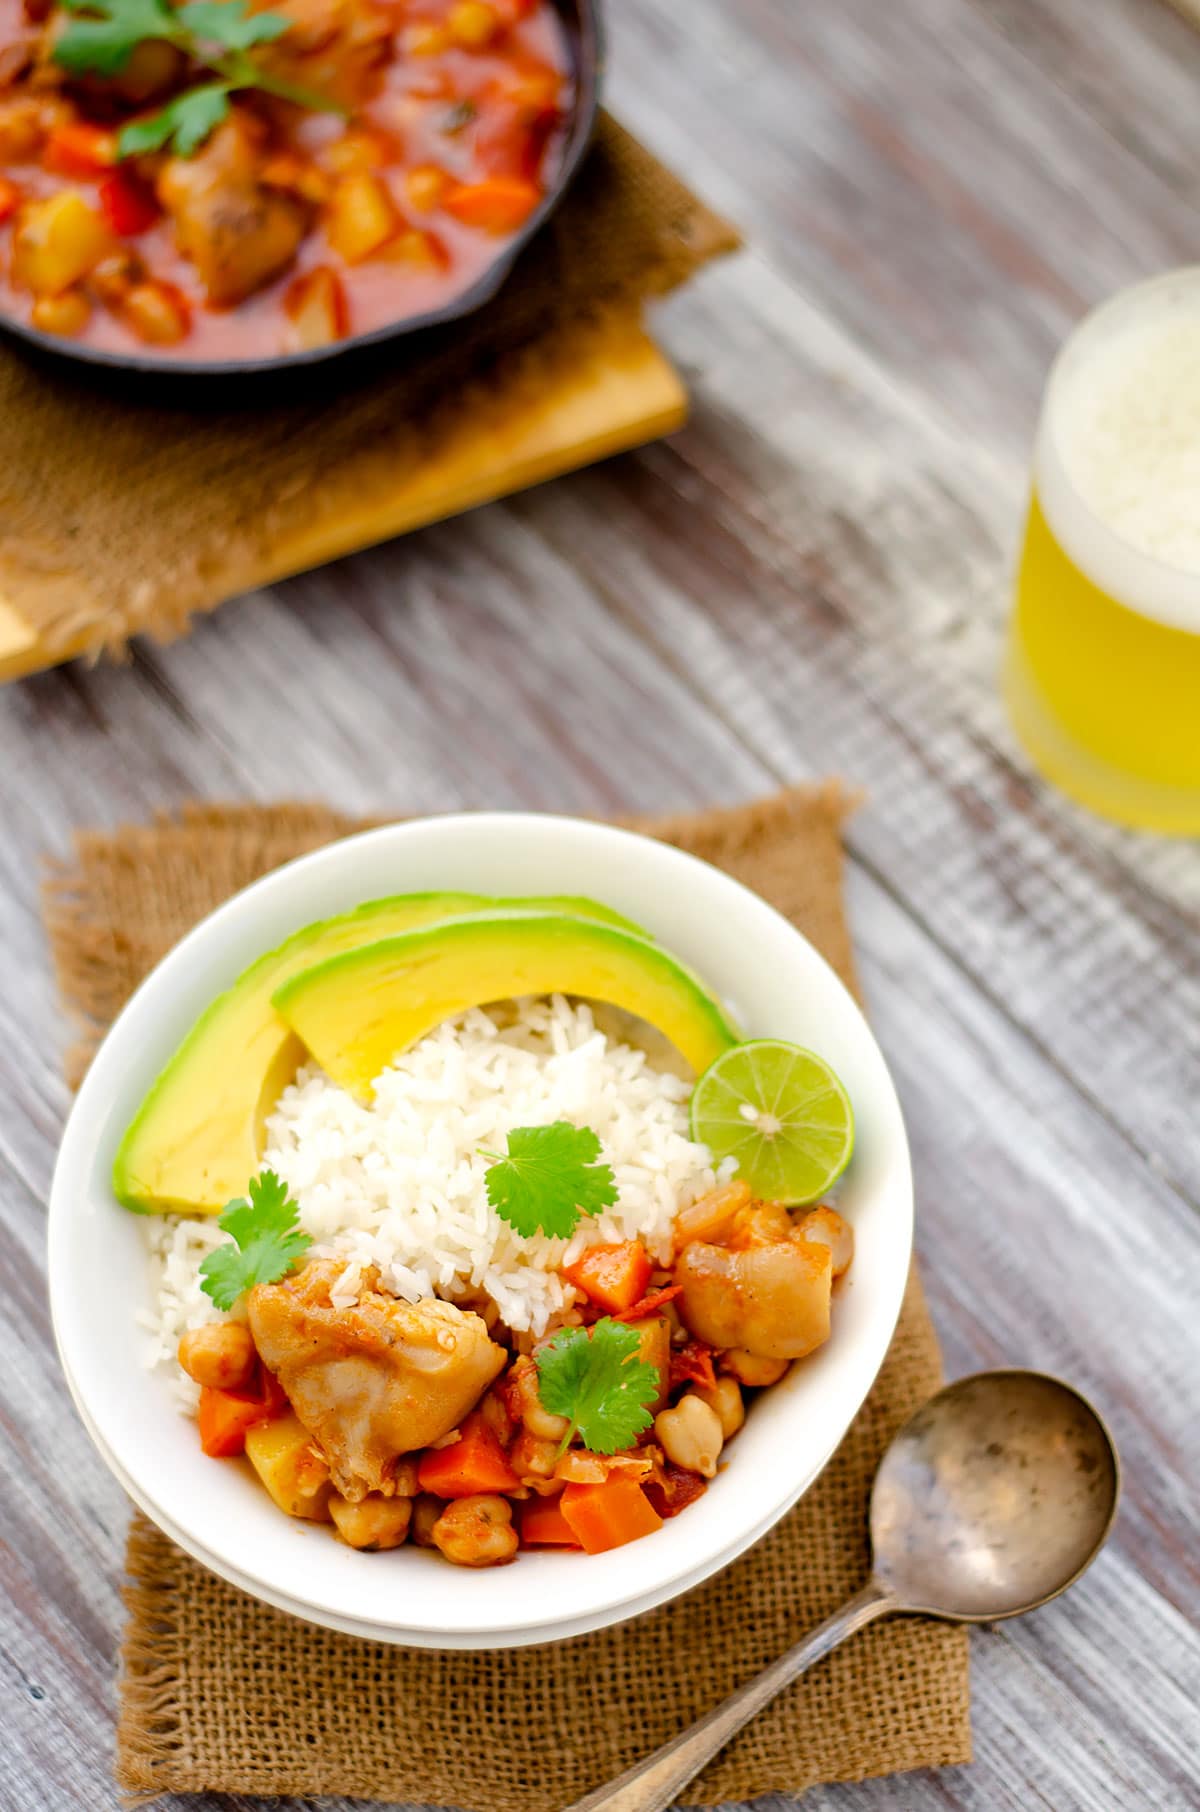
(195,1141)
(357,1011)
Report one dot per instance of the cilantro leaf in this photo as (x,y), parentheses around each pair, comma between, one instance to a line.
(216,35)
(227,22)
(183,123)
(104,40)
(549,1178)
(265,1241)
(596,1378)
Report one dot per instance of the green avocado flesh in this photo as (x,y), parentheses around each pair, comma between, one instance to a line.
(357,1011)
(196,1139)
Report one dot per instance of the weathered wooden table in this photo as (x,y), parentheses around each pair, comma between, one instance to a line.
(809,579)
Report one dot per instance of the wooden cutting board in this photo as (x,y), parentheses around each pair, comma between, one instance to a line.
(625,393)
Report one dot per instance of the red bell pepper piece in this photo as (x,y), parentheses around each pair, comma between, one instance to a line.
(127,204)
(650,1304)
(692,1364)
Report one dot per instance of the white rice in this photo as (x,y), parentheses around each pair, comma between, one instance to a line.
(400,1185)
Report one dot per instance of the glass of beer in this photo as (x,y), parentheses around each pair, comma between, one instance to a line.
(1102,675)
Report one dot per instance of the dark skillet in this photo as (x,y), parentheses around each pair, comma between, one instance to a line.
(585,49)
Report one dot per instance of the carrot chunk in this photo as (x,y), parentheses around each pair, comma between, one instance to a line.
(615,1277)
(78,149)
(609,1515)
(475,1463)
(226,1417)
(543,1525)
(499,204)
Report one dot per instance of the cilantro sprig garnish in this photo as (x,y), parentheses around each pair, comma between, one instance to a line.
(549,1178)
(265,1241)
(596,1379)
(216,35)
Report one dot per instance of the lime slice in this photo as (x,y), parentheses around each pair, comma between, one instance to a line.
(782,1113)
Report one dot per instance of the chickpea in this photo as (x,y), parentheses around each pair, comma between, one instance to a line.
(221,1355)
(726,1400)
(494,1411)
(472,23)
(476,1532)
(533,1413)
(376,1523)
(827,1226)
(115,276)
(157,313)
(690,1435)
(424,186)
(425,1512)
(538,1487)
(424,39)
(711,1216)
(22,129)
(405,1477)
(765,1224)
(752,1369)
(66,314)
(532,1457)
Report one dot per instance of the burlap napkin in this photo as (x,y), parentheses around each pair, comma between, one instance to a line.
(219,1692)
(121,513)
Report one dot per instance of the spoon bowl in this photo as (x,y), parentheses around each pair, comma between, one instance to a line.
(993,1498)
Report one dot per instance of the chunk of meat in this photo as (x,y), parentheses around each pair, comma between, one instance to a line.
(338,48)
(237,232)
(771,1300)
(375,1381)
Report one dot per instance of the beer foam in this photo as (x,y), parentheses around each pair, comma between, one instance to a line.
(1118,460)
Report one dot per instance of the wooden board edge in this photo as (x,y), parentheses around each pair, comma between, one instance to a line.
(626,394)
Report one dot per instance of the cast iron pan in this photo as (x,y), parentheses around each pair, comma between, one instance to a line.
(585,49)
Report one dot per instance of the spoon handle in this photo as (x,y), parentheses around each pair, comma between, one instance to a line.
(655,1783)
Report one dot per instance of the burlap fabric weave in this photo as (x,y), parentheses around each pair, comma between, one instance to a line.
(220,1692)
(121,513)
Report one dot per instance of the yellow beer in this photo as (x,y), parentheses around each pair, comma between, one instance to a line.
(1103,667)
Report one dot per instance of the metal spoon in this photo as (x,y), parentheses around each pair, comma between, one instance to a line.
(990,1501)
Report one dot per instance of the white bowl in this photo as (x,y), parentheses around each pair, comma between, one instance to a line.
(776,985)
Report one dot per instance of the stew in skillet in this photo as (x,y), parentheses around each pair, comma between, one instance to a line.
(235,179)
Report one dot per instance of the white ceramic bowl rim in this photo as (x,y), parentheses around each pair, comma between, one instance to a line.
(776,984)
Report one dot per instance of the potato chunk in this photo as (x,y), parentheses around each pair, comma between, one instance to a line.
(316,309)
(283,1455)
(362,217)
(57,241)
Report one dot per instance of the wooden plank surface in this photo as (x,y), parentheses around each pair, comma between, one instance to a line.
(620,392)
(811,577)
